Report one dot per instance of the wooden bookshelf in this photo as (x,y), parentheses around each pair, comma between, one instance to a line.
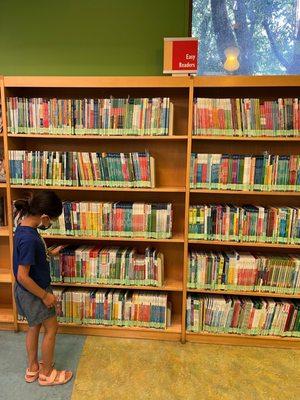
(98,137)
(245,244)
(248,139)
(172,333)
(4,231)
(172,185)
(171,189)
(246,293)
(244,192)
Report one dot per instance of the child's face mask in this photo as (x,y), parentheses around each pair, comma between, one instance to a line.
(46,222)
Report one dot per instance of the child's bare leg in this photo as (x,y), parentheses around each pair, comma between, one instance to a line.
(32,343)
(50,325)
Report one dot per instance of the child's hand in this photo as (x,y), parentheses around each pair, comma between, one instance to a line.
(49,300)
(56,251)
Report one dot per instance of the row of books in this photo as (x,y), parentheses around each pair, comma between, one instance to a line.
(251,316)
(108,265)
(113,307)
(246,117)
(119,219)
(248,223)
(244,271)
(2,212)
(2,167)
(108,116)
(245,172)
(82,168)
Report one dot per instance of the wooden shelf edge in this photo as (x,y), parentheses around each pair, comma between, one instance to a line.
(226,81)
(103,189)
(5,276)
(4,231)
(6,314)
(245,244)
(171,333)
(243,192)
(170,286)
(175,239)
(98,137)
(123,334)
(244,340)
(245,293)
(248,138)
(97,81)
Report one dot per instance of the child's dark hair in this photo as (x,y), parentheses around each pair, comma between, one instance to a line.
(44,202)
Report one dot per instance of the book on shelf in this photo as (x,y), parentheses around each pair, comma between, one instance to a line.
(248,316)
(244,271)
(54,168)
(99,116)
(246,117)
(1,122)
(108,265)
(249,223)
(120,219)
(245,172)
(2,168)
(3,221)
(113,307)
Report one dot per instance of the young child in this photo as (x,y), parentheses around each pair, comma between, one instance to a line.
(34,298)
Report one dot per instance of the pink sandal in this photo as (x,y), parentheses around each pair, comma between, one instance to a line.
(55,378)
(31,376)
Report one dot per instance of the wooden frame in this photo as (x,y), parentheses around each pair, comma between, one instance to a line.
(172,185)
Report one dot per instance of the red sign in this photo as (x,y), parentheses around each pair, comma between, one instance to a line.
(180,55)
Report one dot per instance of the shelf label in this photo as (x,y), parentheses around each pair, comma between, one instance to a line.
(180,55)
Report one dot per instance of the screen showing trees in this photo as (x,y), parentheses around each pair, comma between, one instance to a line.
(247,37)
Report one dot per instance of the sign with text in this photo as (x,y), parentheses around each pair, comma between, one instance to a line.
(180,55)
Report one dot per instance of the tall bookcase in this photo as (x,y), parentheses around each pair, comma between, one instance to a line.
(172,155)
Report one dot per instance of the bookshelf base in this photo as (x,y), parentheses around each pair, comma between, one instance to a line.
(173,333)
(244,340)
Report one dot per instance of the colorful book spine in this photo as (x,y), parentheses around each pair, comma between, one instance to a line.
(113,308)
(98,219)
(109,265)
(110,116)
(245,173)
(247,117)
(129,170)
(242,315)
(244,272)
(225,222)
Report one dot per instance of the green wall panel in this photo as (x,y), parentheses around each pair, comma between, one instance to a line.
(88,37)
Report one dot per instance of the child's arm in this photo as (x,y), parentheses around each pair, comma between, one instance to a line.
(56,251)
(29,284)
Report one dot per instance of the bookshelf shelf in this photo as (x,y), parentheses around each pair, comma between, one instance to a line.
(103,189)
(177,238)
(172,179)
(98,137)
(245,293)
(4,231)
(6,314)
(244,340)
(96,82)
(171,333)
(5,276)
(170,285)
(244,192)
(245,244)
(248,139)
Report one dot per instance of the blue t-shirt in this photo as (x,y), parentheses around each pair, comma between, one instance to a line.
(29,249)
